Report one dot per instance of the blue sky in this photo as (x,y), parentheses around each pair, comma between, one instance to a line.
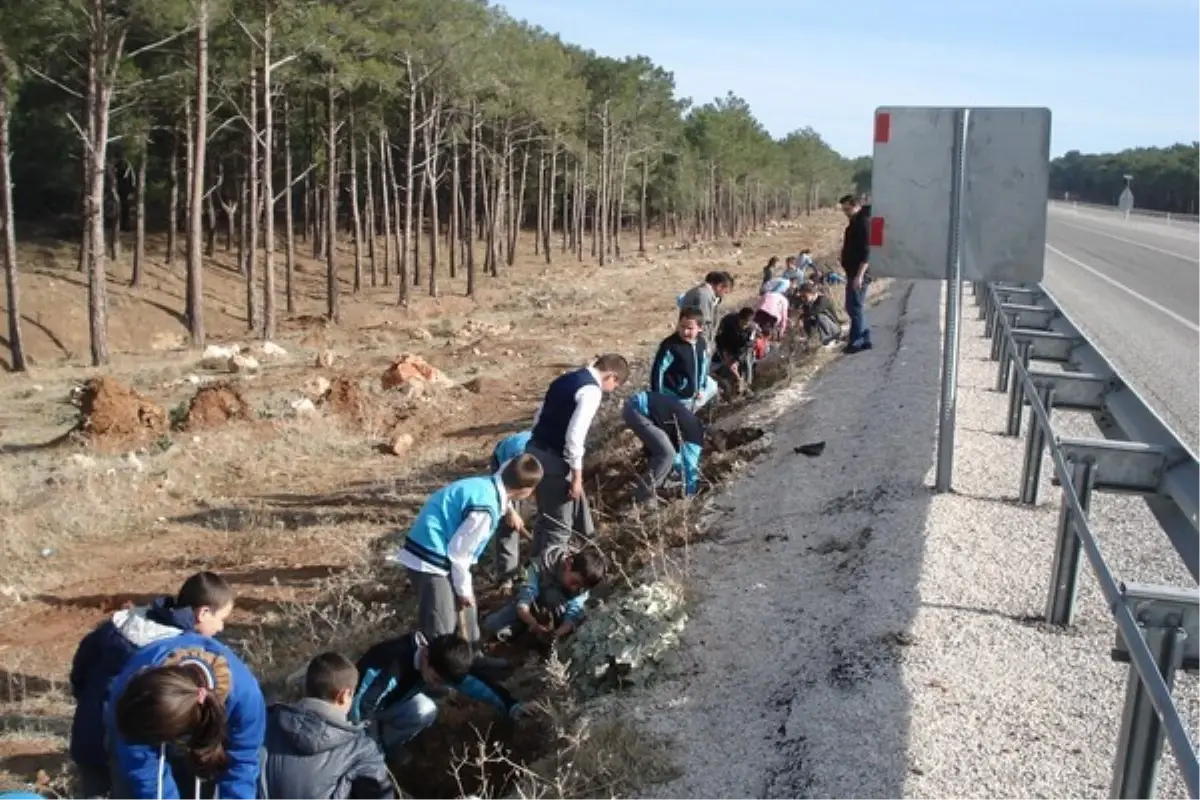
(1114,73)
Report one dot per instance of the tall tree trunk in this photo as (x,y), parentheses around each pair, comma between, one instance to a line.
(8,234)
(398,229)
(114,193)
(289,211)
(173,203)
(540,236)
(332,289)
(387,207)
(210,229)
(371,218)
(518,210)
(409,154)
(619,220)
(549,230)
(642,206)
(139,224)
(471,195)
(268,181)
(581,200)
(432,140)
(251,268)
(568,230)
(418,227)
(195,287)
(455,204)
(102,97)
(89,103)
(355,217)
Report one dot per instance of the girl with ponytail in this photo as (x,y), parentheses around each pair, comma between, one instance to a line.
(183,711)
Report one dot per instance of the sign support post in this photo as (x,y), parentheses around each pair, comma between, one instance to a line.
(948,407)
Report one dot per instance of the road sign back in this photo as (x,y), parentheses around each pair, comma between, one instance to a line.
(1006,174)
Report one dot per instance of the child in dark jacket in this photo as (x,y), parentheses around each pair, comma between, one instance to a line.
(819,317)
(552,600)
(681,364)
(396,676)
(185,710)
(312,748)
(202,605)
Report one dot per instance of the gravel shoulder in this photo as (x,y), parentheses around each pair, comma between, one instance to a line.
(858,636)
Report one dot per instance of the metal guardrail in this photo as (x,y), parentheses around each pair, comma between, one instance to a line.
(1158,628)
(1169,217)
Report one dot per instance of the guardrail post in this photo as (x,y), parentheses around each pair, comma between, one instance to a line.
(1064,575)
(1035,446)
(1006,354)
(1016,391)
(987,312)
(1140,742)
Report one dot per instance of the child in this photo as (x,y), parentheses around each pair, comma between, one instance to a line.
(673,437)
(312,748)
(556,588)
(560,431)
(735,337)
(820,320)
(680,366)
(185,709)
(706,297)
(507,545)
(771,314)
(394,679)
(452,531)
(204,602)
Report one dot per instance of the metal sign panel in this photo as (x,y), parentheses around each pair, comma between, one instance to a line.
(1005,180)
(1125,201)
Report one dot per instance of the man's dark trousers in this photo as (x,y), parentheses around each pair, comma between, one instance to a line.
(860,333)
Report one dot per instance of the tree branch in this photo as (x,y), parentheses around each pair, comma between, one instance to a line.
(54,82)
(161,42)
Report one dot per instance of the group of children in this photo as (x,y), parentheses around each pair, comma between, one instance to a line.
(163,707)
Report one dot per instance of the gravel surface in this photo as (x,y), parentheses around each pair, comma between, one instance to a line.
(858,636)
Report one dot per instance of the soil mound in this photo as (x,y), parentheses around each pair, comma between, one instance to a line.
(216,405)
(114,415)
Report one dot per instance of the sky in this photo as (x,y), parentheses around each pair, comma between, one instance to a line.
(1114,73)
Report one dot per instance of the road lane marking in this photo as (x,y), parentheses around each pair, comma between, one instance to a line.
(1117,284)
(1133,242)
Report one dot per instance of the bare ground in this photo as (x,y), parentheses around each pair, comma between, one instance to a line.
(291,503)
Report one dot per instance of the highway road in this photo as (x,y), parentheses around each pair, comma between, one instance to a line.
(1134,288)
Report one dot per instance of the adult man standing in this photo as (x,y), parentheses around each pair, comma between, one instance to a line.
(856,251)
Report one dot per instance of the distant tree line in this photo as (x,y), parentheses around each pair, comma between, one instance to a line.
(1164,178)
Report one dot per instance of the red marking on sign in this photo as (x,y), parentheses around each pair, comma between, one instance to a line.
(877,231)
(883,127)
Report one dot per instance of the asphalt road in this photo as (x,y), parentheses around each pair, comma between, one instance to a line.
(1134,288)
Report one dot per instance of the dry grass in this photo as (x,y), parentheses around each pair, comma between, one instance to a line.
(294,510)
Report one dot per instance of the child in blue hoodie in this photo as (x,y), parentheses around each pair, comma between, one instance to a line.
(203,603)
(182,711)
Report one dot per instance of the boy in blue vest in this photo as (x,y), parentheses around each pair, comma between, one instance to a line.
(673,438)
(560,429)
(508,539)
(453,529)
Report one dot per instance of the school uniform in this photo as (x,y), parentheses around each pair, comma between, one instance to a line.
(391,697)
(673,437)
(680,368)
(542,593)
(507,542)
(447,538)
